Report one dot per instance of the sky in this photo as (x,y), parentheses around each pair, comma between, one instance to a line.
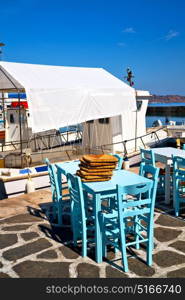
(148,36)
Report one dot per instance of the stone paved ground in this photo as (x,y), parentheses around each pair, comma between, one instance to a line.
(30,247)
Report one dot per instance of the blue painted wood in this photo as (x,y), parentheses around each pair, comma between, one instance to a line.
(178,182)
(60,207)
(152,173)
(80,212)
(120,161)
(147,158)
(101,190)
(68,167)
(114,227)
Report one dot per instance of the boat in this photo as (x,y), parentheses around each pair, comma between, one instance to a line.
(70,111)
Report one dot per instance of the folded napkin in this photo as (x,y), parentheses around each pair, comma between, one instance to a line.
(92,177)
(97,173)
(96,180)
(95,169)
(98,164)
(100,158)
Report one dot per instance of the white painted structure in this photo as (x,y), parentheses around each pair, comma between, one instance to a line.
(128,125)
(60,96)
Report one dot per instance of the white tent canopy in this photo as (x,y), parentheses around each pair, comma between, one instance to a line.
(60,96)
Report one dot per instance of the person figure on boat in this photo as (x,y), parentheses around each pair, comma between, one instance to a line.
(129,77)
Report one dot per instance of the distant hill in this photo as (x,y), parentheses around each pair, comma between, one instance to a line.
(167,98)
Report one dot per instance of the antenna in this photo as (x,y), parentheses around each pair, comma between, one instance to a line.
(129,77)
(1,50)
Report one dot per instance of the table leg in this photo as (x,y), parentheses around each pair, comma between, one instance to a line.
(167,184)
(59,212)
(59,178)
(98,235)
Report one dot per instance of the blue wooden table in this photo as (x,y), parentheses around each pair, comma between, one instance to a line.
(99,189)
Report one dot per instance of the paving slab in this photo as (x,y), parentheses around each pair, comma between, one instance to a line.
(168,258)
(50,254)
(165,234)
(7,240)
(27,249)
(40,269)
(27,236)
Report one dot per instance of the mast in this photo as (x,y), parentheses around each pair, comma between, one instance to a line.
(1,50)
(131,83)
(2,94)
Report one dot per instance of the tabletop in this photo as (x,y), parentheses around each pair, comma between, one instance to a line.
(68,166)
(121,177)
(169,151)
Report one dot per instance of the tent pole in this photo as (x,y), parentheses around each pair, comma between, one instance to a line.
(3,106)
(20,127)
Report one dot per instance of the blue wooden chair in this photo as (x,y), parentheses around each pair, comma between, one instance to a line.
(151,173)
(178,182)
(60,198)
(120,161)
(82,213)
(115,226)
(147,158)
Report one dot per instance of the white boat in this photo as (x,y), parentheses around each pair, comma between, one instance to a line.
(110,113)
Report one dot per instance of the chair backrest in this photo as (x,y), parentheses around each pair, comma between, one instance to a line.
(147,158)
(153,174)
(179,167)
(139,201)
(76,195)
(56,193)
(120,161)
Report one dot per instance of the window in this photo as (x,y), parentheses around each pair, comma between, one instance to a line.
(139,105)
(12,121)
(104,121)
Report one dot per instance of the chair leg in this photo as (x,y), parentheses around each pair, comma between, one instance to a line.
(177,207)
(103,230)
(123,250)
(137,232)
(84,244)
(116,250)
(104,247)
(176,204)
(150,243)
(59,214)
(75,227)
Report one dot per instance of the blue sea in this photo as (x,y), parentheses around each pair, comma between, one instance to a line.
(176,104)
(178,116)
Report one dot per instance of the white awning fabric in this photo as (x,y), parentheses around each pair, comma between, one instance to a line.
(60,96)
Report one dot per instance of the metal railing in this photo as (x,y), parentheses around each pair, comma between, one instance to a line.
(43,142)
(125,142)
